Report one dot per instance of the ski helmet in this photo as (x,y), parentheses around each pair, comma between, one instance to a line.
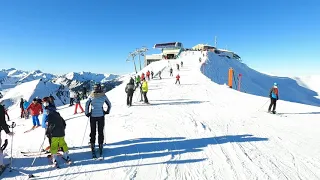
(97,87)
(275,84)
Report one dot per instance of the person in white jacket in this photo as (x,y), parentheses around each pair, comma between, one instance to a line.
(96,114)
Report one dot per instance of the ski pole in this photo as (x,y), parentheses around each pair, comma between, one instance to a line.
(85,132)
(263,105)
(44,138)
(13,125)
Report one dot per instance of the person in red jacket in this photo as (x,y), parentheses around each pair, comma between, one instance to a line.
(142,76)
(148,75)
(35,109)
(177,79)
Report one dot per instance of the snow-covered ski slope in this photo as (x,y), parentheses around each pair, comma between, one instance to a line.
(257,83)
(196,130)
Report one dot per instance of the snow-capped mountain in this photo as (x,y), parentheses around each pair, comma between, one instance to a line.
(198,129)
(9,78)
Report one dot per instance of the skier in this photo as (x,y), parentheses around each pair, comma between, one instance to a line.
(6,112)
(144,88)
(200,60)
(178,67)
(171,71)
(48,106)
(21,108)
(148,75)
(129,90)
(71,94)
(181,63)
(160,74)
(35,109)
(274,96)
(142,76)
(84,93)
(177,79)
(151,74)
(77,101)
(97,99)
(56,130)
(138,81)
(5,127)
(25,106)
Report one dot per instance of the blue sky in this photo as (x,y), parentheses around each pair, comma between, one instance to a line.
(60,36)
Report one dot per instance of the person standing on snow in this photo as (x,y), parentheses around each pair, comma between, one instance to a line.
(177,79)
(56,130)
(171,71)
(3,126)
(25,106)
(152,74)
(129,90)
(148,75)
(21,108)
(144,88)
(71,94)
(48,106)
(78,103)
(142,76)
(35,109)
(274,96)
(97,99)
(138,81)
(160,74)
(181,63)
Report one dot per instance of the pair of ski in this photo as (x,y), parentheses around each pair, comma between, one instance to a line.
(33,128)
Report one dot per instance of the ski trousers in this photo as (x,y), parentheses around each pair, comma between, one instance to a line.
(273,103)
(35,120)
(57,142)
(1,153)
(93,126)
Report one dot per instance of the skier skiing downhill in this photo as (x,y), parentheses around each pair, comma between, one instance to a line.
(274,96)
(130,88)
(97,99)
(5,127)
(56,130)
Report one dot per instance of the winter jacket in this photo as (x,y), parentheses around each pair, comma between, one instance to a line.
(96,100)
(274,93)
(56,125)
(77,99)
(35,109)
(177,77)
(45,115)
(138,79)
(144,86)
(130,88)
(3,123)
(142,76)
(148,73)
(26,105)
(21,104)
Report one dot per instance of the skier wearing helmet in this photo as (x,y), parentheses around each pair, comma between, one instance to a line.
(274,96)
(96,114)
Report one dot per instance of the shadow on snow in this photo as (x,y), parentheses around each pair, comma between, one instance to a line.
(136,149)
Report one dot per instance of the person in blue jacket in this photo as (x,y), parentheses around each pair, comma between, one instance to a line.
(48,106)
(25,106)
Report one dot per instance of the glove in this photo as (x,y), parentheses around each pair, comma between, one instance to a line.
(105,112)
(88,115)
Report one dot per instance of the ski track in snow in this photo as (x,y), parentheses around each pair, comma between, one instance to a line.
(195,130)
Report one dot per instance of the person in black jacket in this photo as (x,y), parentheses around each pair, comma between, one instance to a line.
(129,90)
(56,130)
(3,126)
(21,108)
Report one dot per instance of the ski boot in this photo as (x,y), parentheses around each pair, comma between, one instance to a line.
(101,149)
(93,151)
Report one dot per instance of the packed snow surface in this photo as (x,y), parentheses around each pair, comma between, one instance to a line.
(195,130)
